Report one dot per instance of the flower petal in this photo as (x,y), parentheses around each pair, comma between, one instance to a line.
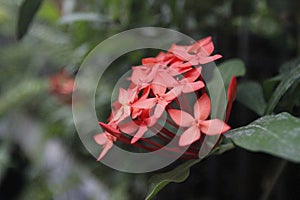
(231,94)
(109,128)
(191,87)
(166,78)
(100,138)
(123,96)
(136,112)
(189,136)
(137,75)
(132,94)
(172,94)
(207,49)
(213,127)
(144,103)
(128,127)
(204,41)
(160,108)
(121,114)
(195,47)
(181,118)
(207,59)
(107,146)
(148,60)
(139,134)
(180,68)
(193,74)
(202,107)
(153,71)
(158,88)
(183,55)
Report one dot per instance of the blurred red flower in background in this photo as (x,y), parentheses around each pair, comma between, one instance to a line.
(61,86)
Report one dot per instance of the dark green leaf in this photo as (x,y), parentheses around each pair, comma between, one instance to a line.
(27,12)
(177,175)
(230,68)
(251,95)
(269,86)
(287,81)
(278,135)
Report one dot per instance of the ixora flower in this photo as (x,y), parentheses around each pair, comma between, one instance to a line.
(155,88)
(61,86)
(197,124)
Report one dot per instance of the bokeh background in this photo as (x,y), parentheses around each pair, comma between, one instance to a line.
(41,155)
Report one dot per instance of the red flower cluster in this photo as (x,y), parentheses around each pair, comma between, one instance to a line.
(155,87)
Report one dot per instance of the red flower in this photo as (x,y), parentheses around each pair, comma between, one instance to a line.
(197,124)
(198,53)
(125,100)
(160,101)
(138,127)
(61,85)
(106,140)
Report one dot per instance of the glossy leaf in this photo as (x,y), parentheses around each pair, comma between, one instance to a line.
(251,95)
(27,12)
(278,135)
(230,68)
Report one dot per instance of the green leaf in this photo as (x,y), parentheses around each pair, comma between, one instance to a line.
(177,175)
(27,12)
(278,135)
(230,68)
(269,86)
(251,95)
(180,173)
(287,81)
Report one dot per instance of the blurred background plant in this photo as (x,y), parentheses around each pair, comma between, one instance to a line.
(41,156)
